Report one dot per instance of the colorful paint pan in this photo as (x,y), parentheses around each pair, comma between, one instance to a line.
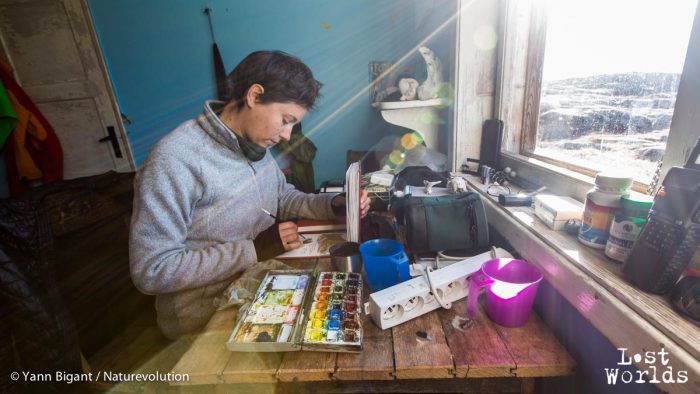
(340,293)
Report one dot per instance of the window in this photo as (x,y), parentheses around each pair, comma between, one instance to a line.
(606,77)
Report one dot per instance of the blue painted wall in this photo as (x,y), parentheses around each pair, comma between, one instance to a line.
(158,54)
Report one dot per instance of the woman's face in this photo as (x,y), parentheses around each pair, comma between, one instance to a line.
(271,123)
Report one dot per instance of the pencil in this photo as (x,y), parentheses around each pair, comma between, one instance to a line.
(275,217)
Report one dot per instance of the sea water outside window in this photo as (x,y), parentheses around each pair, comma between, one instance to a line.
(610,77)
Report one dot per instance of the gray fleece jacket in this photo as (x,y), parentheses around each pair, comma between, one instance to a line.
(196,212)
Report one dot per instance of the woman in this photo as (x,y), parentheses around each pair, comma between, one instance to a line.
(199,197)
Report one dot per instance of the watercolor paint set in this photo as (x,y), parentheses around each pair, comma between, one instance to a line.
(302,310)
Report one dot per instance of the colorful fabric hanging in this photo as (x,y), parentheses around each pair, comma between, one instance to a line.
(8,117)
(33,154)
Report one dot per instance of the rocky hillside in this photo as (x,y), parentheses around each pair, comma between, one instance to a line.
(616,104)
(625,117)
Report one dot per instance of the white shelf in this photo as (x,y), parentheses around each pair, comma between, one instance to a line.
(388,105)
(420,116)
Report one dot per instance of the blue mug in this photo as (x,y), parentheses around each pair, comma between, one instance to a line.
(386,263)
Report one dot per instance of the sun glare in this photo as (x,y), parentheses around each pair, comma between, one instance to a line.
(592,37)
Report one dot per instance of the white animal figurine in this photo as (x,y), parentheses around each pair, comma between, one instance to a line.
(408,88)
(457,184)
(429,89)
(429,186)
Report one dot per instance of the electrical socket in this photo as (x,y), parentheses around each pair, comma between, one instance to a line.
(408,300)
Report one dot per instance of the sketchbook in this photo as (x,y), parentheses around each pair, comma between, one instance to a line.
(317,245)
(352,201)
(318,226)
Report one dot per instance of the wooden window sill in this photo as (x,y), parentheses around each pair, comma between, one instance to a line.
(593,284)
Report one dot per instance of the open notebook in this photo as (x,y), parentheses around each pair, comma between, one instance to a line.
(319,243)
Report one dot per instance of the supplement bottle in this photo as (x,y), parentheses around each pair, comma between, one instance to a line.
(601,205)
(627,225)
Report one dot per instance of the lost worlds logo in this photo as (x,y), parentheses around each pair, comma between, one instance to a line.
(649,370)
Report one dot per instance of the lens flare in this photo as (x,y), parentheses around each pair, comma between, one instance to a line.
(396,157)
(428,117)
(447,93)
(485,38)
(410,140)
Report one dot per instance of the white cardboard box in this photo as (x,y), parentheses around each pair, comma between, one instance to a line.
(554,211)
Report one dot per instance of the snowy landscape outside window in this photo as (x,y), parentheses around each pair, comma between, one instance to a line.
(610,76)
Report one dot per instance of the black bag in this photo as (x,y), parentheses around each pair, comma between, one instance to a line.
(415,175)
(452,222)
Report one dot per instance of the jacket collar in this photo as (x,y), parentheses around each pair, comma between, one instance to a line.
(212,125)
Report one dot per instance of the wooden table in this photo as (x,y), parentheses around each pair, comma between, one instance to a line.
(484,358)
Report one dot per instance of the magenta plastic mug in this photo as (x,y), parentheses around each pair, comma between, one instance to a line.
(511,286)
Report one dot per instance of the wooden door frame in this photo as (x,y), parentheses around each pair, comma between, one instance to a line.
(109,87)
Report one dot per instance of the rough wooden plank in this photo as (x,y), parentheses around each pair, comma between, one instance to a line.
(252,368)
(162,362)
(206,359)
(535,63)
(375,362)
(478,351)
(126,356)
(450,385)
(535,350)
(527,386)
(511,77)
(306,366)
(476,89)
(416,357)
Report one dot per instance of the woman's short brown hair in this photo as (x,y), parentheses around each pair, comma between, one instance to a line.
(284,77)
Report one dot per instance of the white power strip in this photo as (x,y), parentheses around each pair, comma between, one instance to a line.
(408,300)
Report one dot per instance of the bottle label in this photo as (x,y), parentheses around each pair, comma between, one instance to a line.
(595,225)
(623,234)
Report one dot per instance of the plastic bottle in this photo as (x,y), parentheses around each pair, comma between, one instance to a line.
(602,203)
(627,225)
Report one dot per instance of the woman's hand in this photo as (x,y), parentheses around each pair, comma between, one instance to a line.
(289,234)
(339,201)
(364,203)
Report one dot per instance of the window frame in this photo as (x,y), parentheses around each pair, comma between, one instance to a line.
(523,28)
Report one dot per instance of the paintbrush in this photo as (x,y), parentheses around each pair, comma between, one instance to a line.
(275,217)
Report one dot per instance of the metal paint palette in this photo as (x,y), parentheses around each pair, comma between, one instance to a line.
(296,310)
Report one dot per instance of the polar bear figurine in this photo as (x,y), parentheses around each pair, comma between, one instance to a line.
(429,89)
